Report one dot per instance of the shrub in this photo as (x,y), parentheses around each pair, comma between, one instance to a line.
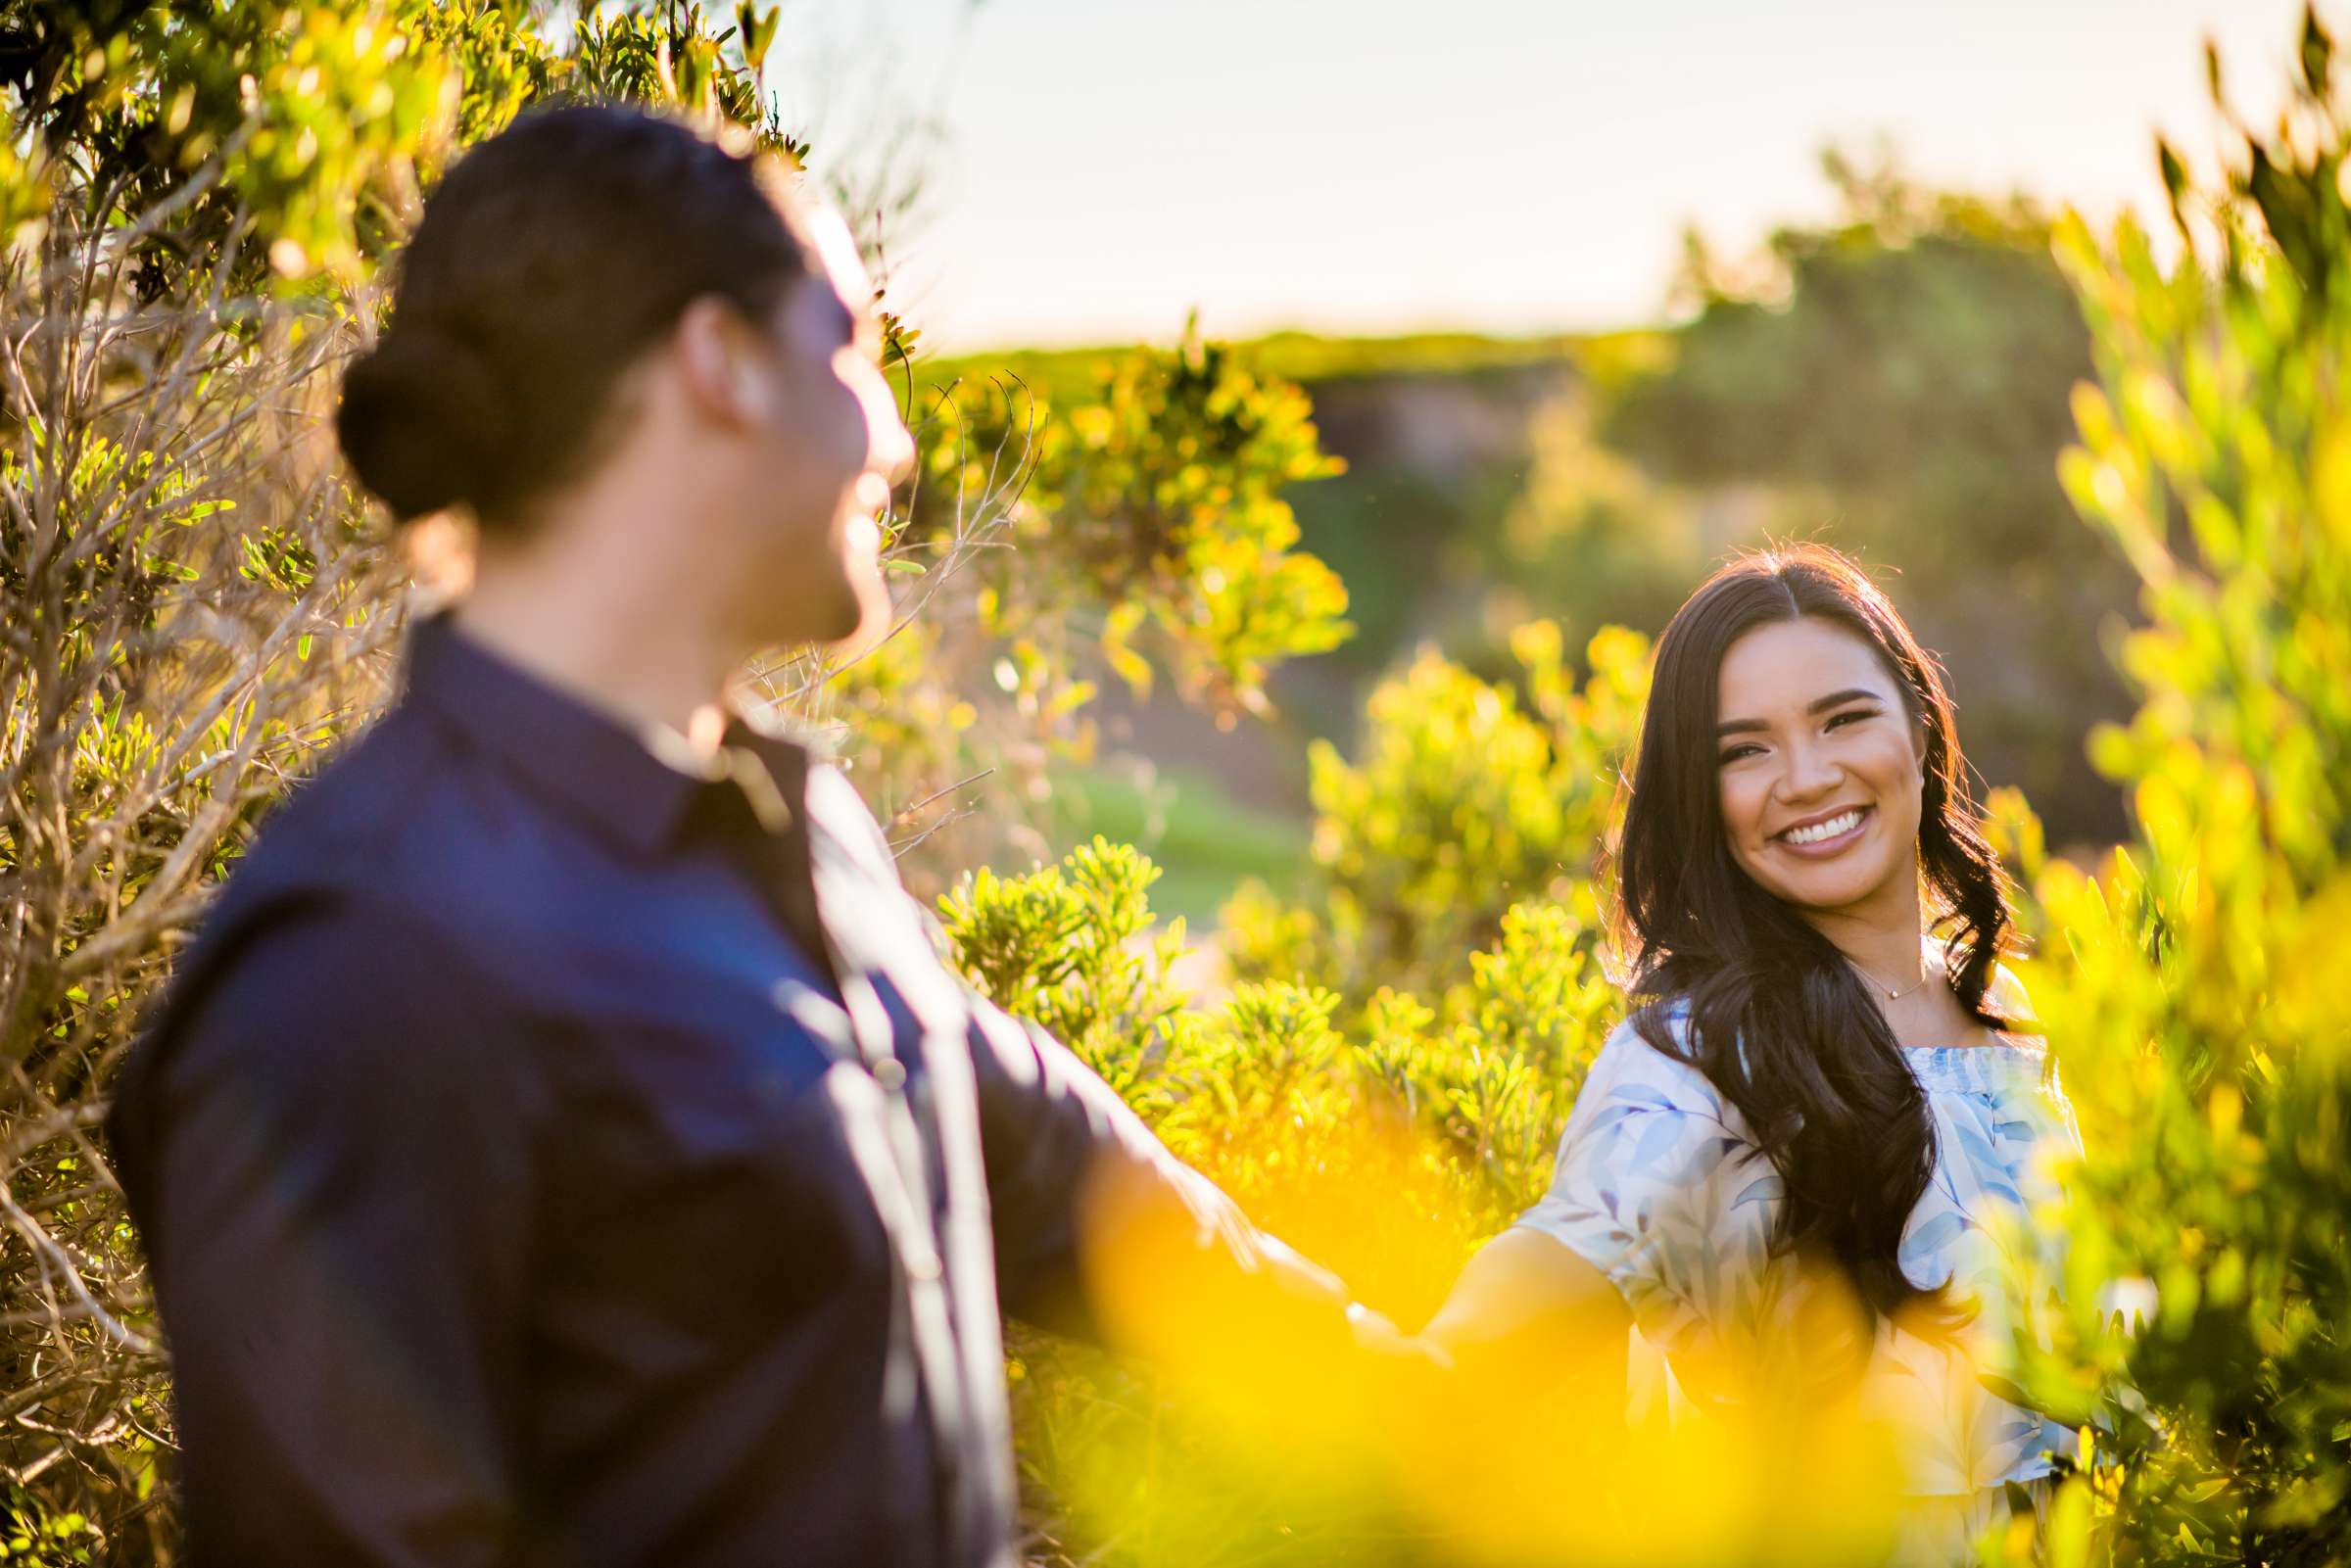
(1386,1144)
(1155,490)
(2195,985)
(1468,798)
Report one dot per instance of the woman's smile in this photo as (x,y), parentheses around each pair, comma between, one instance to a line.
(1822,838)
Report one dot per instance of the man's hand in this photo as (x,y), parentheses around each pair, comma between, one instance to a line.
(1375,1334)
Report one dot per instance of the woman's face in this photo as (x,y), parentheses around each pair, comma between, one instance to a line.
(1820,769)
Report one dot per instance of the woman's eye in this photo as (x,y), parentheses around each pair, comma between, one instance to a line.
(1738,753)
(1856,713)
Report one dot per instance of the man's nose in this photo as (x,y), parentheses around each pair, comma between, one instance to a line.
(894,449)
(889,446)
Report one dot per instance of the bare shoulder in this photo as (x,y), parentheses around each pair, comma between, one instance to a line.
(2006,995)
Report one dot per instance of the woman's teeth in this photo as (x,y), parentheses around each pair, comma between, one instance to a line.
(1819,830)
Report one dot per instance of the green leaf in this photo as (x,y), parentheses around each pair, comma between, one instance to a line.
(758,30)
(2317,53)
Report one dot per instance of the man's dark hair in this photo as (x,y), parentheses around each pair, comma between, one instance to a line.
(548,261)
(1777,1018)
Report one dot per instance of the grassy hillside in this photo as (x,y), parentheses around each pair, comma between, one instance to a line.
(1308,358)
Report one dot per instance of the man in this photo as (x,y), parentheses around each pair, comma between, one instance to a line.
(564,1144)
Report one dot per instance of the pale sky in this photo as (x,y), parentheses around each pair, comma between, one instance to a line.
(1506,166)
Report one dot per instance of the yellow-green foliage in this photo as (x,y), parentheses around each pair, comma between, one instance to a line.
(2198,987)
(1383,1088)
(1470,796)
(1159,494)
(1385,1143)
(1073,947)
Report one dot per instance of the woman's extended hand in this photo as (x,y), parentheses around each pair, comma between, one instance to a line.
(1375,1332)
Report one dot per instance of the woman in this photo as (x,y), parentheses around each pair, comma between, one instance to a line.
(1822,1075)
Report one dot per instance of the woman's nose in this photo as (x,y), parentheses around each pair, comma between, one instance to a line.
(1809,773)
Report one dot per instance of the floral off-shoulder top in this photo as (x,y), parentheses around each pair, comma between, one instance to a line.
(1661,1188)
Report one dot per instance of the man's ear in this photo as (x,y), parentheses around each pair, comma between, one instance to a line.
(718,360)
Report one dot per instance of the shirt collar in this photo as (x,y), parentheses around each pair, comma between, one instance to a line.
(632,783)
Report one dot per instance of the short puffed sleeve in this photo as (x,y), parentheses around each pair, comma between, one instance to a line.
(1659,1186)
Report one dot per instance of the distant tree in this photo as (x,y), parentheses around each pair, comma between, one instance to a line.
(1906,373)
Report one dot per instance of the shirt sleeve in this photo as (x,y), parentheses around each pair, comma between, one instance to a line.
(337,1158)
(1055,1138)
(1052,1133)
(1657,1187)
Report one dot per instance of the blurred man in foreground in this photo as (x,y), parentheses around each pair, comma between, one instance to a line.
(564,1144)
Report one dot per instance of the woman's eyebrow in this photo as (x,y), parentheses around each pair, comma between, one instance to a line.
(1835,699)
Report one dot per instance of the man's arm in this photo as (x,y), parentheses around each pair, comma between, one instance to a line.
(338,1183)
(1081,1193)
(1080,1186)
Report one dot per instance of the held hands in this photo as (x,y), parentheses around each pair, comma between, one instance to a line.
(1375,1334)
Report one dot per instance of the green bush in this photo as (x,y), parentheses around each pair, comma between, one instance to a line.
(2195,986)
(1158,492)
(1144,504)
(1386,1142)
(1470,796)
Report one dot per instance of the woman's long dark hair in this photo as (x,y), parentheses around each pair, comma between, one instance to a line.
(1777,1021)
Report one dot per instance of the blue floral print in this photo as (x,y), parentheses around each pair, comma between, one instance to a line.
(1660,1187)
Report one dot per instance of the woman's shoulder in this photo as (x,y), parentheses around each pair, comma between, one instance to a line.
(2005,993)
(2006,996)
(1632,1068)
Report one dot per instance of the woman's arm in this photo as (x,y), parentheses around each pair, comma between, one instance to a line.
(1530,1310)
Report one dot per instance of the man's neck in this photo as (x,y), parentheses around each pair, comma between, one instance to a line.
(607,637)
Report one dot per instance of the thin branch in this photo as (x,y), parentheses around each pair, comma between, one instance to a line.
(905,811)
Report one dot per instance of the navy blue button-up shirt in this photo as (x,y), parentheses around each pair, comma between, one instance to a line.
(554,1152)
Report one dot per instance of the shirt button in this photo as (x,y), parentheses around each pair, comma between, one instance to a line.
(923,1265)
(890,1073)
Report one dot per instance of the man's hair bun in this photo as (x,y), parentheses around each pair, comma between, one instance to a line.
(548,261)
(422,421)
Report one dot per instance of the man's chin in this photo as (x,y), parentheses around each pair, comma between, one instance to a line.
(865,614)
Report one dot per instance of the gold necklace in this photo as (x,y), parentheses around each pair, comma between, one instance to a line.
(1892,995)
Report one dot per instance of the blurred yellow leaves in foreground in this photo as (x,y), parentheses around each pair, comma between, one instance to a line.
(1507,1459)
